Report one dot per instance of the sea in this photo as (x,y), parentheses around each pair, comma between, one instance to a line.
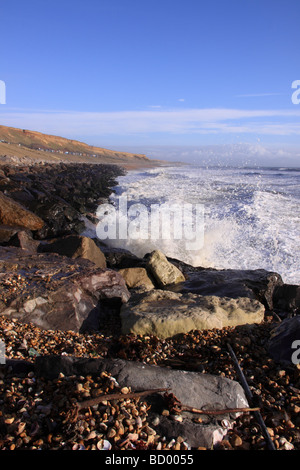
(250,216)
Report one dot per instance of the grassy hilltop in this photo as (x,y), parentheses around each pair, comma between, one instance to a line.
(42,147)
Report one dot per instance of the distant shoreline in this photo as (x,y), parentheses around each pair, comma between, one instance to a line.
(22,146)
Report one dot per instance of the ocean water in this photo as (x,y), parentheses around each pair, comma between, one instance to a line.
(251,216)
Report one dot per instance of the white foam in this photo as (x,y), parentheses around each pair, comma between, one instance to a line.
(251,216)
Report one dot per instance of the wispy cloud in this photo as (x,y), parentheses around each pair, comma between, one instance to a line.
(172,121)
(255,95)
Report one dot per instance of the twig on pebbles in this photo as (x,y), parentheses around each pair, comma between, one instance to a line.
(175,406)
(217,412)
(117,396)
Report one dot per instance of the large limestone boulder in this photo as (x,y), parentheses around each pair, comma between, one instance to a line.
(56,292)
(164,272)
(136,277)
(14,214)
(165,314)
(76,246)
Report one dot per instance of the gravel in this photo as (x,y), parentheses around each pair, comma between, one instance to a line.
(39,414)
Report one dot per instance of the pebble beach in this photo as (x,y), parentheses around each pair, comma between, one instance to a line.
(43,261)
(41,415)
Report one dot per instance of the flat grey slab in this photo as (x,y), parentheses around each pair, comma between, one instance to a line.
(191,388)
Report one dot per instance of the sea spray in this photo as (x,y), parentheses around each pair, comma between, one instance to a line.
(251,216)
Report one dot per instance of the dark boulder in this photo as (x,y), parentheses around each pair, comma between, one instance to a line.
(75,246)
(255,284)
(284,344)
(14,214)
(286,299)
(60,219)
(119,258)
(56,292)
(23,239)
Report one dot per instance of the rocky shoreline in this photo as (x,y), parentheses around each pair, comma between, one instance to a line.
(80,320)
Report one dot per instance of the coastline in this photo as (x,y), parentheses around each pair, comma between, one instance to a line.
(27,248)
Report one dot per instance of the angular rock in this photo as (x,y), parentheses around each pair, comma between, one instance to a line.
(286,299)
(284,344)
(119,258)
(19,367)
(196,435)
(136,277)
(163,271)
(22,196)
(13,214)
(75,246)
(256,284)
(55,292)
(165,314)
(24,240)
(60,219)
(190,388)
(6,232)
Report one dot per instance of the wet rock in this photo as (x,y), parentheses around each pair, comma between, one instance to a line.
(136,277)
(75,246)
(163,271)
(55,292)
(13,214)
(165,314)
(284,344)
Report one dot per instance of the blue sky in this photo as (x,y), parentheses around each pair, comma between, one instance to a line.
(141,73)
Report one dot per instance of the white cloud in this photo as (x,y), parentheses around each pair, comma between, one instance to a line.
(172,121)
(255,95)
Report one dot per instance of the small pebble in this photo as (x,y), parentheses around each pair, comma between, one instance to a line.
(236,440)
(30,399)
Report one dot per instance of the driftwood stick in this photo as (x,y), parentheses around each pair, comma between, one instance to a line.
(249,395)
(217,412)
(118,396)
